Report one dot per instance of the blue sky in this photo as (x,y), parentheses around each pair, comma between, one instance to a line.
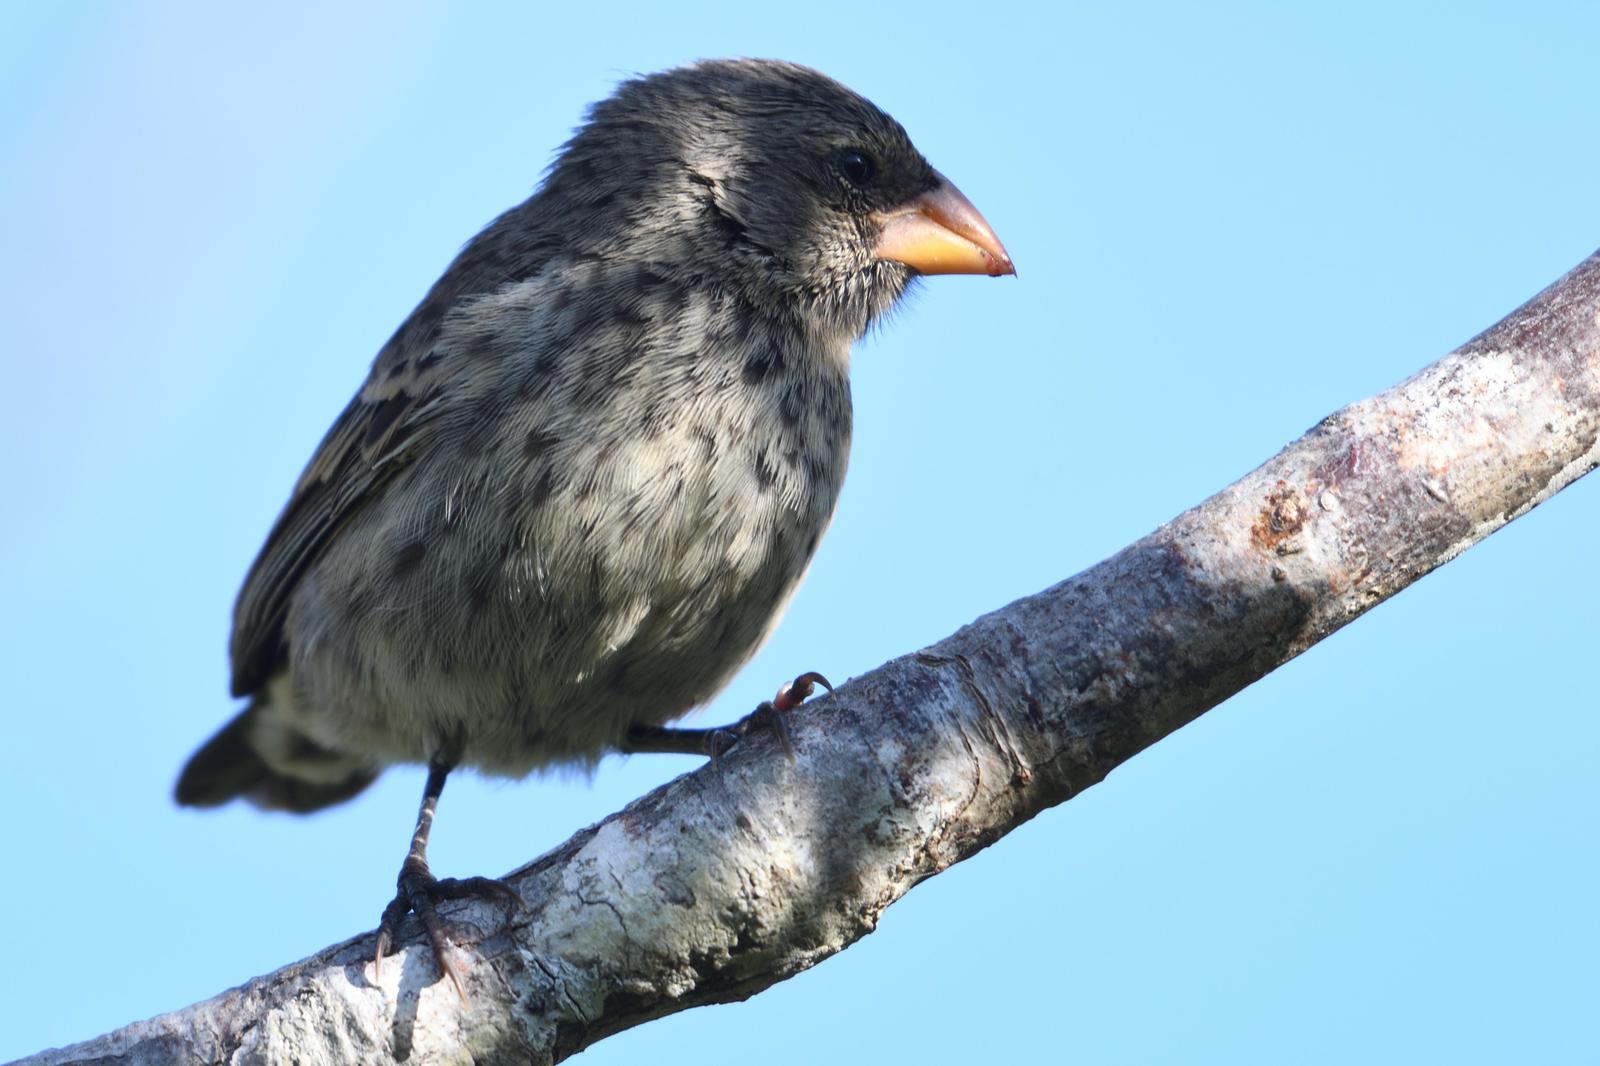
(1228,222)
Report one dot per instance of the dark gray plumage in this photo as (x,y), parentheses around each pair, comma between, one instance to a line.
(586,474)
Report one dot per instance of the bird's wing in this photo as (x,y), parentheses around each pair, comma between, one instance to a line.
(391,421)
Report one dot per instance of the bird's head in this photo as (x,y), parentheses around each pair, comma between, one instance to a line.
(772,179)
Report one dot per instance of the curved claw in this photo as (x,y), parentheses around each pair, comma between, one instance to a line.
(799,690)
(393,914)
(721,741)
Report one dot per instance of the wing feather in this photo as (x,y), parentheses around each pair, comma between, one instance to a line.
(388,424)
(391,421)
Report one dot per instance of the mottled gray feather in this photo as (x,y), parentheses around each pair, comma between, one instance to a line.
(586,474)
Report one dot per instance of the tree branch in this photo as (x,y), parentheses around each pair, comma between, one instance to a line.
(737,876)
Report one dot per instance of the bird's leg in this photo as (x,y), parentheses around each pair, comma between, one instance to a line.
(714,742)
(417,890)
(665,740)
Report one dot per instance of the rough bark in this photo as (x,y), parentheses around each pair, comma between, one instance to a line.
(751,869)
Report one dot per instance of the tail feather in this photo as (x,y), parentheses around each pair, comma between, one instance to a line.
(259,758)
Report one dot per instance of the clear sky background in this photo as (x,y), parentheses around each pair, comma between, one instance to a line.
(1229,222)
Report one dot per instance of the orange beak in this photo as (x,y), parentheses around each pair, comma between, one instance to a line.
(940,232)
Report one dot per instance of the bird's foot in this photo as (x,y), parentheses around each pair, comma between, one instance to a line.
(770,715)
(719,741)
(418,892)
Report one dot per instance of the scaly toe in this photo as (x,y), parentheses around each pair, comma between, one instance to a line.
(768,716)
(417,893)
(489,888)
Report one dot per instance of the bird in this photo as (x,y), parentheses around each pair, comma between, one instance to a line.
(584,477)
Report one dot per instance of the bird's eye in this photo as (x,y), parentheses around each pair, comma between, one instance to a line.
(857,166)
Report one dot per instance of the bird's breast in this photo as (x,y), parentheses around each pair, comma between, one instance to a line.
(689,534)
